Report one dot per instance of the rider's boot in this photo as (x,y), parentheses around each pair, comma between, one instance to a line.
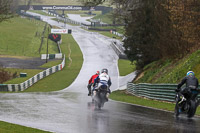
(89,94)
(89,89)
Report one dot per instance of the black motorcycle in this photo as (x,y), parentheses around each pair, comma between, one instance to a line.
(100,97)
(187,103)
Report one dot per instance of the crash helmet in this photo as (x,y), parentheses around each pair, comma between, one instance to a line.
(190,73)
(97,72)
(104,70)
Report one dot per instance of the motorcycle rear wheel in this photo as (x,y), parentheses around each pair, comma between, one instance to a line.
(192,109)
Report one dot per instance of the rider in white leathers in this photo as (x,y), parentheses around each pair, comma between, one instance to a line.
(103,79)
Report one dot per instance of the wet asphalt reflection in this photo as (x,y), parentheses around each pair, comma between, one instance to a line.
(118,117)
(73,112)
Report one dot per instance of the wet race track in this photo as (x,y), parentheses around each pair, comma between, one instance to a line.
(71,110)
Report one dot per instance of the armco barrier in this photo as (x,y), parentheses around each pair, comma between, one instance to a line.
(164,92)
(116,33)
(51,56)
(23,86)
(118,50)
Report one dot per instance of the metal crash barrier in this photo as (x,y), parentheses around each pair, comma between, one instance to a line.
(23,86)
(163,92)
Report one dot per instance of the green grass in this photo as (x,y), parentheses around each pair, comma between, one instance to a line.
(30,73)
(171,71)
(125,67)
(124,97)
(6,127)
(119,29)
(106,18)
(108,34)
(18,38)
(64,78)
(51,63)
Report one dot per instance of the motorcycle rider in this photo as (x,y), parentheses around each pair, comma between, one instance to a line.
(103,79)
(191,83)
(91,82)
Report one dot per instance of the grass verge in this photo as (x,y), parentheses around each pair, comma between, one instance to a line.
(51,63)
(128,98)
(6,127)
(64,78)
(125,67)
(26,40)
(170,71)
(106,18)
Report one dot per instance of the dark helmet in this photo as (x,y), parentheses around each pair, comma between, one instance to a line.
(104,70)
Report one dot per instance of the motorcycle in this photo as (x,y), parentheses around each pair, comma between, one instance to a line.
(187,103)
(100,97)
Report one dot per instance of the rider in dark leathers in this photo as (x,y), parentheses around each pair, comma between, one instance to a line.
(191,83)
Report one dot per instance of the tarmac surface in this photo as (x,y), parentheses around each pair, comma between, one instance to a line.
(78,18)
(71,110)
(29,63)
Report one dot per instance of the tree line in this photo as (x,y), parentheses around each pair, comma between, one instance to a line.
(158,29)
(8,7)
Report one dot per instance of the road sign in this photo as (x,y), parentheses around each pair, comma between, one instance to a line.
(60,31)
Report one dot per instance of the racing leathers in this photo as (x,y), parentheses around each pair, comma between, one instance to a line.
(91,82)
(191,83)
(103,79)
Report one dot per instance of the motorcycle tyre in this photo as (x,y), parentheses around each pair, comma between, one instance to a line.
(192,109)
(99,105)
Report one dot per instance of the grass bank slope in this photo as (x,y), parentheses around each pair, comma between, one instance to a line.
(22,37)
(170,71)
